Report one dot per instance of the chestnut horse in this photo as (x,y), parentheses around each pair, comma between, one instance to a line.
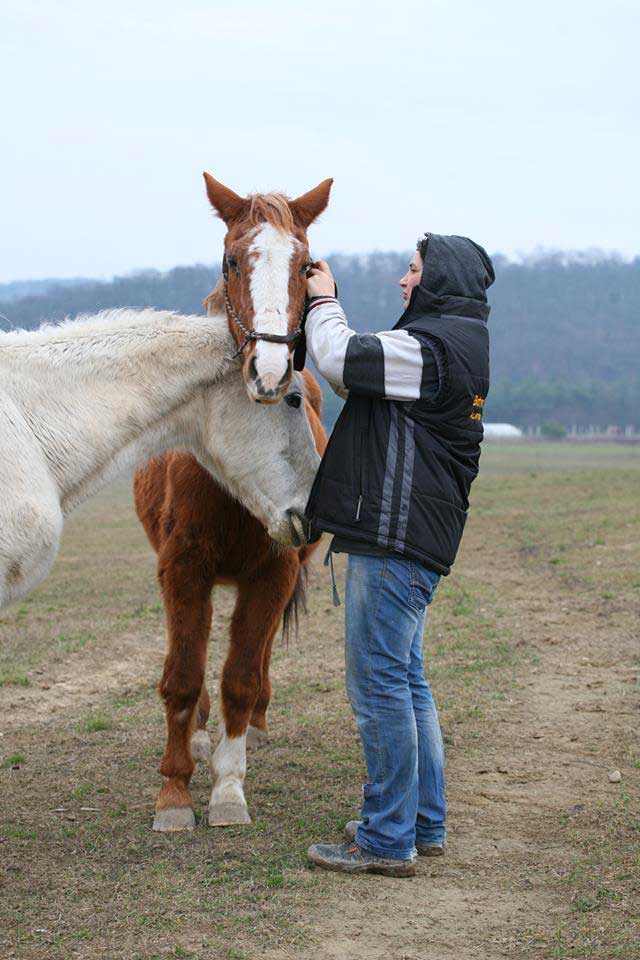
(203,536)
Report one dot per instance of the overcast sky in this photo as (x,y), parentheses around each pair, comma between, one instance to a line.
(515,123)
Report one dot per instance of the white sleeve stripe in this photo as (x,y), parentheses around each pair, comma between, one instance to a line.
(388,364)
(402,365)
(327,338)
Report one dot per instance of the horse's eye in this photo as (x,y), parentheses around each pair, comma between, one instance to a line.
(306,267)
(233,263)
(293,399)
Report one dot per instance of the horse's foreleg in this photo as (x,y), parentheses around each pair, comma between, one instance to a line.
(257,732)
(254,625)
(241,679)
(186,588)
(29,540)
(200,742)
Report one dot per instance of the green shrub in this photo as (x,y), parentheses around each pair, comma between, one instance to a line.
(553,430)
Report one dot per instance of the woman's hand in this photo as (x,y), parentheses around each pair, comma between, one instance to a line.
(320,282)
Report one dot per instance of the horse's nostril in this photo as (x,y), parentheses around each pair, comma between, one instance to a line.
(286,376)
(253,368)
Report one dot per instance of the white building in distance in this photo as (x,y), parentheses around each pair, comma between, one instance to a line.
(502,431)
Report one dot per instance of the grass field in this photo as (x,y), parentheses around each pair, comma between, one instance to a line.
(532,649)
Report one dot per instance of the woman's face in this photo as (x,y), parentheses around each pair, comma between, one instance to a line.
(411,278)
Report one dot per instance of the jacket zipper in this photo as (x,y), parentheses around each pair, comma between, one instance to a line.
(359,504)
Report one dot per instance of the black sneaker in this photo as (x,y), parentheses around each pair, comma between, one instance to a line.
(349,858)
(424,849)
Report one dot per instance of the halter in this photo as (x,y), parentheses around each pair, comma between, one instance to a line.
(249,335)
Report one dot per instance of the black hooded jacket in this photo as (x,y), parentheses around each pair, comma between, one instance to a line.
(396,474)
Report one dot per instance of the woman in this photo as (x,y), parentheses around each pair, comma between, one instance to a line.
(393,489)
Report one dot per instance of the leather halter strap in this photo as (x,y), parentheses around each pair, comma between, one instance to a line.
(251,335)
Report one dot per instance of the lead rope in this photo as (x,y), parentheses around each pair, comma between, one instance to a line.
(328,561)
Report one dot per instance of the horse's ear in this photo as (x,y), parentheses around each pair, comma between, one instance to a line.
(227,204)
(310,205)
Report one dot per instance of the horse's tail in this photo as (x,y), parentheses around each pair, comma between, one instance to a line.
(297,603)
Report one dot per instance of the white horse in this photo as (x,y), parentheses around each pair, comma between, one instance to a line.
(85,400)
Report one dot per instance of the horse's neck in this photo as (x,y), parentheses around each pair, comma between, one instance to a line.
(99,399)
(178,429)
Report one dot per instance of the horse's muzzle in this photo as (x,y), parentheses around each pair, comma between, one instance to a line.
(268,388)
(293,530)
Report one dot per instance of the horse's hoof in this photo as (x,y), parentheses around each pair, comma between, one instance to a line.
(201,746)
(173,819)
(256,737)
(228,814)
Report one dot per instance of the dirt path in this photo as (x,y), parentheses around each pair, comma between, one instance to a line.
(542,761)
(83,679)
(133,657)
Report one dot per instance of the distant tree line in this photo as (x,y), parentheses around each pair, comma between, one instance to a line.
(565,329)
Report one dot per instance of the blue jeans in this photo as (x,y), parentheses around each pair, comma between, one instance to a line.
(386,601)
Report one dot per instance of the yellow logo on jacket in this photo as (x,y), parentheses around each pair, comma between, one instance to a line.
(478,404)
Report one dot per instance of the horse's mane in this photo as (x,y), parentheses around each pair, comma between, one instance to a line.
(99,326)
(214,302)
(270,208)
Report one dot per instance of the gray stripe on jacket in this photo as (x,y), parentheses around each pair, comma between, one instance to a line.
(407,482)
(389,476)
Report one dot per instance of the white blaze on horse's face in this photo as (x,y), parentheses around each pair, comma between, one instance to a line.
(269,368)
(267,255)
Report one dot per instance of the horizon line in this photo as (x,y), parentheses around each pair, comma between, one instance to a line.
(585,256)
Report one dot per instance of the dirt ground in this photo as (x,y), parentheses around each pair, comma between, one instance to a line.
(532,650)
